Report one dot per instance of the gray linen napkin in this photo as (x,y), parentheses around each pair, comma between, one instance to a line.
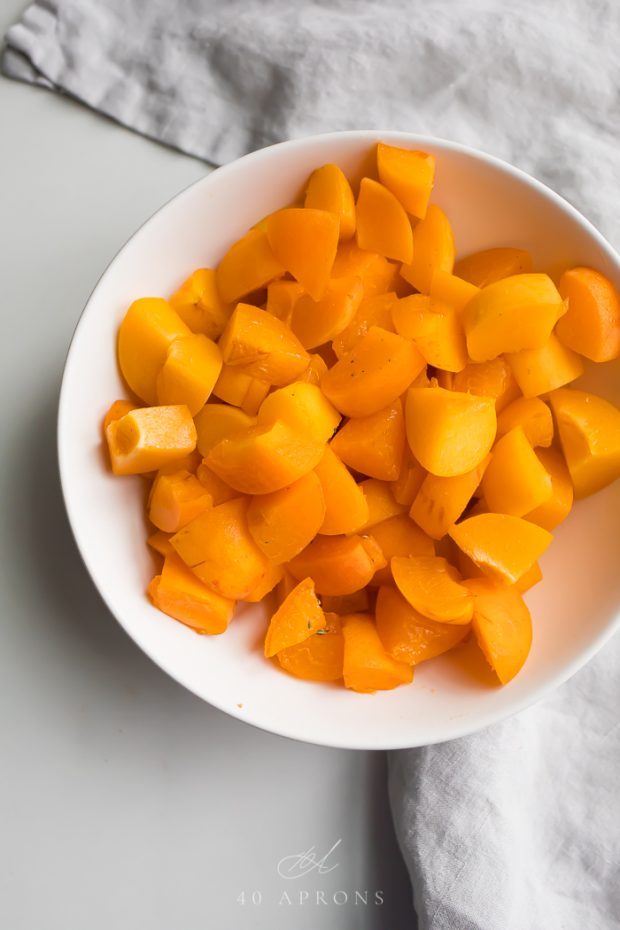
(516,828)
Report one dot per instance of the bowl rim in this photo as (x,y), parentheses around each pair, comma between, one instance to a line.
(457,728)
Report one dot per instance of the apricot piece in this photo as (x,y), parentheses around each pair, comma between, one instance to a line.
(433,249)
(264,458)
(373,445)
(408,636)
(435,328)
(189,373)
(409,480)
(488,379)
(538,371)
(441,501)
(447,288)
(148,328)
(285,521)
(305,240)
(328,189)
(116,410)
(254,396)
(248,265)
(449,432)
(320,656)
(432,586)
(216,421)
(262,346)
(591,325)
(502,545)
(367,667)
(218,489)
(408,174)
(399,536)
(315,322)
(378,369)
(512,314)
(557,507)
(337,564)
(270,580)
(160,542)
(298,617)
(589,431)
(515,481)
(147,438)
(531,577)
(218,546)
(176,499)
(532,415)
(181,595)
(377,273)
(315,370)
(199,304)
(373,311)
(346,507)
(382,224)
(491,265)
(304,408)
(380,500)
(233,386)
(358,602)
(282,295)
(502,626)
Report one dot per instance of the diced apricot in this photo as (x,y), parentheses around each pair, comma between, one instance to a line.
(285,585)
(176,499)
(328,189)
(447,288)
(189,462)
(148,328)
(532,415)
(218,489)
(408,636)
(147,438)
(180,594)
(233,386)
(502,545)
(282,295)
(377,273)
(216,421)
(409,174)
(538,371)
(378,369)
(304,408)
(160,542)
(262,346)
(531,577)
(435,328)
(188,375)
(297,618)
(491,265)
(270,580)
(502,626)
(358,602)
(199,304)
(400,536)
(380,500)
(515,481)
(346,508)
(373,311)
(367,667)
(320,656)
(432,586)
(557,507)
(382,224)
(433,249)
(315,370)
(591,325)
(285,521)
(315,322)
(305,240)
(488,379)
(264,458)
(373,445)
(449,432)
(255,395)
(512,314)
(117,410)
(248,265)
(589,431)
(337,564)
(441,501)
(409,480)
(218,546)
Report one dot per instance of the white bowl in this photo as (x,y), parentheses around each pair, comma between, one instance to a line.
(574,610)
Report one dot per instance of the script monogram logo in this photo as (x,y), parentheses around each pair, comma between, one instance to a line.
(299,864)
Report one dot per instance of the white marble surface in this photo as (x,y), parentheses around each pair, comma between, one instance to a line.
(126,802)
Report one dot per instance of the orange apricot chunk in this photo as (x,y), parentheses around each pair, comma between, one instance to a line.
(502,545)
(512,314)
(557,507)
(449,432)
(305,240)
(199,304)
(315,322)
(380,500)
(408,174)
(285,521)
(488,379)
(248,265)
(117,410)
(374,444)
(297,618)
(147,438)
(319,657)
(189,462)
(399,535)
(262,346)
(160,542)
(218,546)
(337,564)
(589,431)
(382,224)
(216,421)
(377,273)
(433,249)
(491,265)
(147,329)
(189,373)
(538,371)
(373,311)
(441,501)
(407,635)
(254,396)
(346,507)
(233,385)
(373,374)
(176,499)
(358,602)
(532,415)
(532,576)
(447,288)
(502,626)
(315,370)
(409,480)
(270,580)
(432,586)
(515,481)
(328,189)
(282,295)
(435,328)
(304,408)
(218,489)
(367,667)
(264,458)
(591,325)
(181,595)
